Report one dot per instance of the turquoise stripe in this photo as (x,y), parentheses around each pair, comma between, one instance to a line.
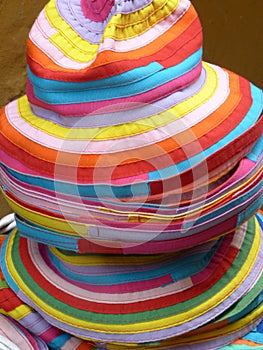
(232,205)
(59,341)
(254,304)
(6,274)
(260,220)
(116,92)
(250,210)
(45,236)
(249,120)
(255,337)
(131,76)
(88,191)
(177,270)
(256,152)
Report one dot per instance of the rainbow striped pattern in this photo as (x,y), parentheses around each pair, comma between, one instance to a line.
(137,299)
(135,172)
(14,337)
(23,325)
(125,136)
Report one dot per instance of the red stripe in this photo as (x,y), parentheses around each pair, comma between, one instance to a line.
(146,166)
(175,245)
(170,55)
(224,250)
(8,300)
(115,105)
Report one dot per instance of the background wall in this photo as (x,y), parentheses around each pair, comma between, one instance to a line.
(232,39)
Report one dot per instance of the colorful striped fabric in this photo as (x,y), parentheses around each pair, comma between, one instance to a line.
(206,218)
(252,340)
(15,337)
(134,170)
(125,134)
(27,328)
(136,299)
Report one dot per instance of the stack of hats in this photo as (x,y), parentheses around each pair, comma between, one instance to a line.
(135,172)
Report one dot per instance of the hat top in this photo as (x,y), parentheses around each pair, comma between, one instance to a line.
(87,55)
(97,10)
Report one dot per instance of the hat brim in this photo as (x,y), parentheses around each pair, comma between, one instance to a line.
(134,299)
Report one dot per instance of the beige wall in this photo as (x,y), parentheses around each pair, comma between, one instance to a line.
(232,38)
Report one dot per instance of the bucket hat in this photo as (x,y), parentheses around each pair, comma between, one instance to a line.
(139,299)
(134,169)
(124,130)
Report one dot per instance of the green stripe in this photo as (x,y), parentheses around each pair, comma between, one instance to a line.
(145,316)
(3,284)
(245,301)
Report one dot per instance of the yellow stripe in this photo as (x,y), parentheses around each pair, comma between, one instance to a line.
(59,225)
(18,313)
(75,228)
(142,327)
(120,27)
(224,331)
(98,259)
(128,129)
(206,336)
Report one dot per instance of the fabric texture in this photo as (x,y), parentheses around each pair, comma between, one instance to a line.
(124,131)
(134,170)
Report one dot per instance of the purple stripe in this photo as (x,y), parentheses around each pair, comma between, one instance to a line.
(123,117)
(89,30)
(41,344)
(221,341)
(84,108)
(35,323)
(166,333)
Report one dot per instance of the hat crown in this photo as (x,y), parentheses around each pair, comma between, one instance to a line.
(97,10)
(94,55)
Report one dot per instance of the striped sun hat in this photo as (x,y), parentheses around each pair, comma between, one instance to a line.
(214,291)
(126,141)
(134,169)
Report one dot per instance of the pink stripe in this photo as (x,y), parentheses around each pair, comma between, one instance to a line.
(81,292)
(97,10)
(12,163)
(51,334)
(42,31)
(126,143)
(40,35)
(114,105)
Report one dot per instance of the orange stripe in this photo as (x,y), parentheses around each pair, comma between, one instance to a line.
(246,342)
(131,156)
(106,57)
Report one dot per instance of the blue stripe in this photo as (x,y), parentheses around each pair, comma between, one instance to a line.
(255,337)
(46,236)
(233,203)
(260,220)
(122,91)
(117,80)
(59,341)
